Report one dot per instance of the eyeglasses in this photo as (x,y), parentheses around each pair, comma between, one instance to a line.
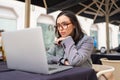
(63,25)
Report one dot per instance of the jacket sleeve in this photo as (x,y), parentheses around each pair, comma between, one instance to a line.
(77,55)
(51,55)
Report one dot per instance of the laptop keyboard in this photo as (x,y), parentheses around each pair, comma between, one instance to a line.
(52,68)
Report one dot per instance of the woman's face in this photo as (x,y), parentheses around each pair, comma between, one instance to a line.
(64,26)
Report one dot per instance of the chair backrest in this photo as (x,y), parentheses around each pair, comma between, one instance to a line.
(3,54)
(104,72)
(115,64)
(1,46)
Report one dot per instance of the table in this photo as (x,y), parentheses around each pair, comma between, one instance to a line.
(75,73)
(112,56)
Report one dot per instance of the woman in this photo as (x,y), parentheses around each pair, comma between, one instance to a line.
(72,46)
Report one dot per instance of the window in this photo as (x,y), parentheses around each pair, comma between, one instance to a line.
(8,24)
(47,23)
(94,34)
(119,38)
(8,19)
(49,34)
(110,37)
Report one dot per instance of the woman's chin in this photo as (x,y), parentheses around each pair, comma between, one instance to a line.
(63,35)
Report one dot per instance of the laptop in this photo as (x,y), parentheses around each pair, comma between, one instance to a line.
(25,50)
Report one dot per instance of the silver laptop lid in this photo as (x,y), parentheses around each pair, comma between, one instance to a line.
(25,50)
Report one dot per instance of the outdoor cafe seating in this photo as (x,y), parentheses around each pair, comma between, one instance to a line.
(104,72)
(115,64)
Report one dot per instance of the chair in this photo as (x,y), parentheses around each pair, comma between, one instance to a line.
(115,64)
(3,54)
(1,46)
(103,72)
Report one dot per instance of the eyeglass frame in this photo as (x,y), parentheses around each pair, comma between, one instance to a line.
(63,25)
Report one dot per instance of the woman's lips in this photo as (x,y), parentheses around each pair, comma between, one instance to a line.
(62,33)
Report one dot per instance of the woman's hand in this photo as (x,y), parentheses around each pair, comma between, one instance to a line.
(58,41)
(66,63)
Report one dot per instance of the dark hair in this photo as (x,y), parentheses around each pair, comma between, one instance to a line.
(78,33)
